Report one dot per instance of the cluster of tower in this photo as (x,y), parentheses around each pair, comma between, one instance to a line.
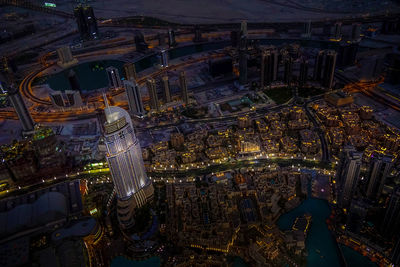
(133,93)
(348,174)
(351,185)
(271,59)
(152,88)
(324,69)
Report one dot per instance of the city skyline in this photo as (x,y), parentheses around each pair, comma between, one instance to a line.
(264,133)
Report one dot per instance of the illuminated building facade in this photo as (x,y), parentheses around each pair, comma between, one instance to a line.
(124,158)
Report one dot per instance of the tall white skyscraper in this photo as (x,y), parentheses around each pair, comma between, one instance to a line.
(114,79)
(124,158)
(134,97)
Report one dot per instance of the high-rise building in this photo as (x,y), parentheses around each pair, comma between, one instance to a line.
(337,33)
(184,89)
(130,71)
(356,215)
(380,168)
(134,97)
(347,53)
(262,69)
(114,80)
(319,63)
(22,111)
(288,71)
(152,88)
(243,28)
(73,81)
(307,29)
(171,38)
(197,35)
(347,174)
(303,75)
(269,66)
(164,58)
(65,58)
(125,161)
(140,43)
(167,93)
(356,32)
(243,60)
(391,223)
(329,69)
(87,23)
